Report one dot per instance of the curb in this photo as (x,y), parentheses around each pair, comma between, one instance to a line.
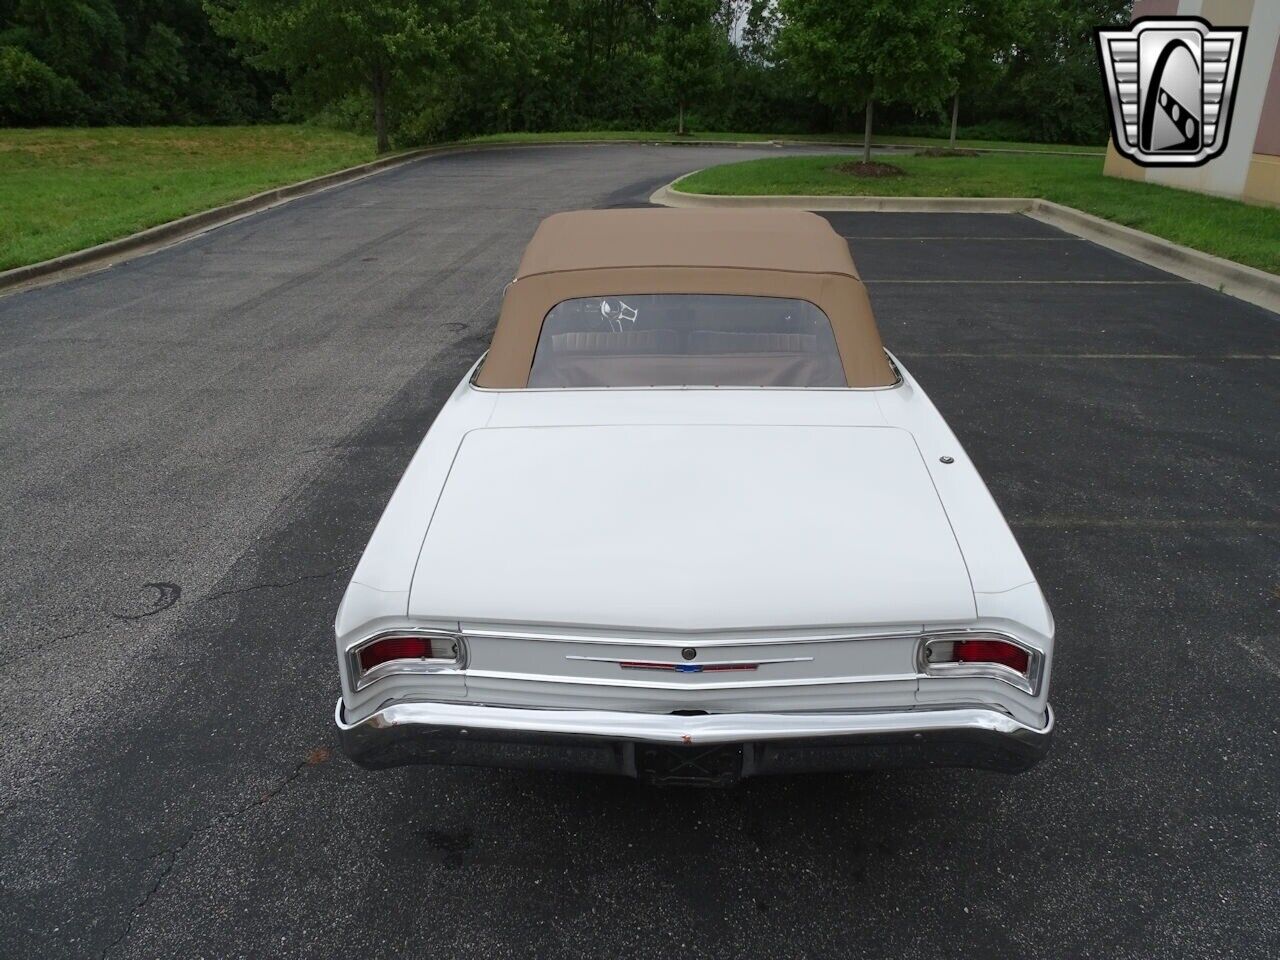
(1226,276)
(666,197)
(153,238)
(942,146)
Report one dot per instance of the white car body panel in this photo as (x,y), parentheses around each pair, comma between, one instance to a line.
(562,531)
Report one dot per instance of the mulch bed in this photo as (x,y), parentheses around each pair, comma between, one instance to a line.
(873,169)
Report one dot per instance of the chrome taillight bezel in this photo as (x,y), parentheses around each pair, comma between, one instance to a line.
(418,666)
(1028,683)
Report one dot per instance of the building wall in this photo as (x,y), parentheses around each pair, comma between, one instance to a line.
(1250,166)
(1263,183)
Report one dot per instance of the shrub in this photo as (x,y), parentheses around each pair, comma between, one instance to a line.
(32,93)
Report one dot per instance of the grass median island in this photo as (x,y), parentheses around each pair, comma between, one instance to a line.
(66,189)
(1224,228)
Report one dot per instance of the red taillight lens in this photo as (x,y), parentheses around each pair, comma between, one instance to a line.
(991,651)
(406,648)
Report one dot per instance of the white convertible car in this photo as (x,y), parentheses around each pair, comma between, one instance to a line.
(688,521)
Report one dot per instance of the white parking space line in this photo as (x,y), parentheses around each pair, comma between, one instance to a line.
(988,282)
(1091,356)
(857,236)
(1256,651)
(1148,523)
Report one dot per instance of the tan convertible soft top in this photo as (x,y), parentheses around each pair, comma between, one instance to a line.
(770,253)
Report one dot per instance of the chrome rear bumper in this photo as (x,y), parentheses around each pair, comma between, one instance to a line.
(710,748)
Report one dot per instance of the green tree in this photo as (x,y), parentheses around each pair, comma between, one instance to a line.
(866,52)
(329,49)
(1052,87)
(525,74)
(691,45)
(759,23)
(986,33)
(160,70)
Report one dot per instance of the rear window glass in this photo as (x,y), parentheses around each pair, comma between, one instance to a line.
(658,340)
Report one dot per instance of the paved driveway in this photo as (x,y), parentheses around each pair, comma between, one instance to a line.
(196,444)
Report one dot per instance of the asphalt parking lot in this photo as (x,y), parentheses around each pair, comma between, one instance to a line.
(196,445)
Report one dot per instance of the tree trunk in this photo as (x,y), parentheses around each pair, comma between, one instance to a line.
(955,115)
(866,132)
(379,85)
(680,128)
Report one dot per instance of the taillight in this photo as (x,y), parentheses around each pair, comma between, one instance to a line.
(991,651)
(407,653)
(982,656)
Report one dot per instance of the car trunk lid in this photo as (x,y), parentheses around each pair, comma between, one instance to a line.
(691,528)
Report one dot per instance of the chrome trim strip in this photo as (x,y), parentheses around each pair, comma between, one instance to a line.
(893,365)
(692,687)
(676,641)
(692,663)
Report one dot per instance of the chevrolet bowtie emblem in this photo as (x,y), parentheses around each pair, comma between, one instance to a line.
(686,667)
(1171,85)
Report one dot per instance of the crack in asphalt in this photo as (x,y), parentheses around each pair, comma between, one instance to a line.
(312,759)
(42,644)
(146,897)
(270,586)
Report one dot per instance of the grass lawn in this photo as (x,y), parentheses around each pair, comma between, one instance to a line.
(1224,228)
(66,189)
